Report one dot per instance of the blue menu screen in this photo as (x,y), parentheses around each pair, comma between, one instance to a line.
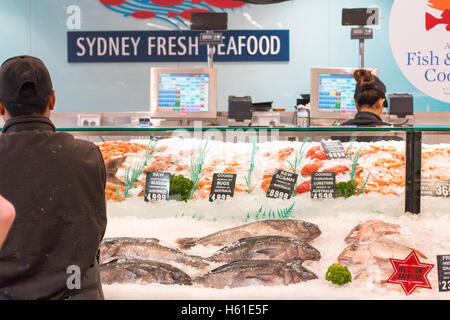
(336,93)
(183,92)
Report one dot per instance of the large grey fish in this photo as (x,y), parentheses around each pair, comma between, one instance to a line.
(380,250)
(297,229)
(371,230)
(255,272)
(266,248)
(142,271)
(145,249)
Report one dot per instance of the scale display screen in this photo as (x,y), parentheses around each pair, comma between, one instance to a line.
(336,93)
(183,92)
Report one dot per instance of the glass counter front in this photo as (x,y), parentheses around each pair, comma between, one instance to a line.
(350,196)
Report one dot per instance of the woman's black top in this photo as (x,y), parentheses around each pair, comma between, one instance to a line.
(365,119)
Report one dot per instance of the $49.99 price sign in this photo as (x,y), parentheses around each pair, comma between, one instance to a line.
(157,186)
(222,186)
(282,185)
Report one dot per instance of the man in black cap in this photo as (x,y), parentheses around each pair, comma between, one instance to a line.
(57,186)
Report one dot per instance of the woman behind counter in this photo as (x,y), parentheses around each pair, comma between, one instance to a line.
(370,98)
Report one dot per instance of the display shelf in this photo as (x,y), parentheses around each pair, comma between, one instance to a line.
(283,129)
(412,138)
(391,176)
(443,128)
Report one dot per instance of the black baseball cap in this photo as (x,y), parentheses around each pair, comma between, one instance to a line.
(18,71)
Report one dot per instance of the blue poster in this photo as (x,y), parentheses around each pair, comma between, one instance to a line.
(175,46)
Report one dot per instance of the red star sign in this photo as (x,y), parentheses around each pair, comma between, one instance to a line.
(410,273)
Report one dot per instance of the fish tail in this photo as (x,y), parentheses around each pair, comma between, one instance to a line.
(186,243)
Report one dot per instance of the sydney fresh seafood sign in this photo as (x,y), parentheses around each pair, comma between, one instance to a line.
(175,46)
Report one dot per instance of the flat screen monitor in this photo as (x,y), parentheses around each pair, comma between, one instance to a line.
(332,92)
(183,93)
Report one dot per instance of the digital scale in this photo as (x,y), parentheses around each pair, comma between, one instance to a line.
(361,17)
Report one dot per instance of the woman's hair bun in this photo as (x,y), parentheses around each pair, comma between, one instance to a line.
(363,77)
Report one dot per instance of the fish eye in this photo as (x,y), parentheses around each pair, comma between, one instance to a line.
(354,247)
(309,250)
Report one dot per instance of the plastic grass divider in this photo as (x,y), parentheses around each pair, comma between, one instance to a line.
(350,149)
(118,193)
(280,213)
(365,182)
(299,156)
(286,213)
(248,179)
(354,164)
(132,175)
(257,213)
(197,166)
(355,161)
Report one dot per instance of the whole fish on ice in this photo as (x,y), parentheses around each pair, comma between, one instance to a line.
(255,272)
(380,250)
(266,248)
(297,229)
(145,249)
(371,230)
(142,271)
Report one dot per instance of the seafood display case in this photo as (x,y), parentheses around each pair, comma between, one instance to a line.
(220,212)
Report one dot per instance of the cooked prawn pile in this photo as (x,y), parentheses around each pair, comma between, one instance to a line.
(384,168)
(380,168)
(432,165)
